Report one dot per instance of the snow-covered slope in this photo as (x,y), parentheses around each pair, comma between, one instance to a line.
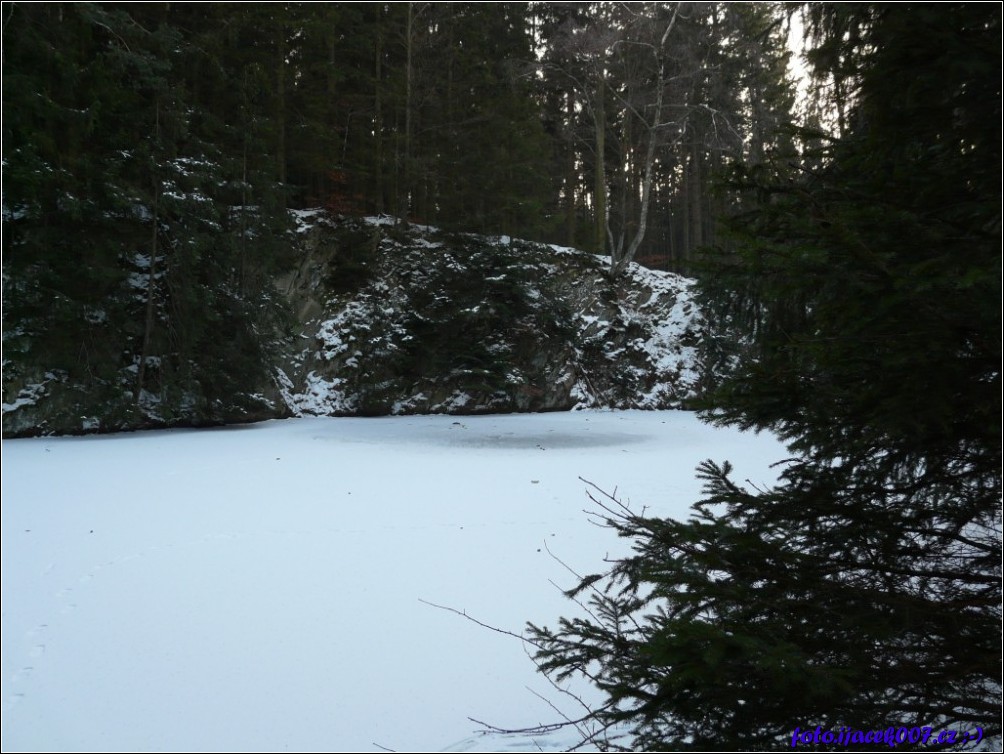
(407,319)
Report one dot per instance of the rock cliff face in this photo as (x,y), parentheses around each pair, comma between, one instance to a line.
(395,319)
(411,320)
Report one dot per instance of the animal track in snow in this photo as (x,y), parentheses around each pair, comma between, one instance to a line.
(18,678)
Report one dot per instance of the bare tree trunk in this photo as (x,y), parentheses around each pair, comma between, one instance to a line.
(571,178)
(626,182)
(280,151)
(377,114)
(621,260)
(697,196)
(685,218)
(624,258)
(406,209)
(600,176)
(673,243)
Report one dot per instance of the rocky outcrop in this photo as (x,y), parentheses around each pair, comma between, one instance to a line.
(408,319)
(394,319)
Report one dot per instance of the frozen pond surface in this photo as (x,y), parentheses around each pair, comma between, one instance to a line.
(266,586)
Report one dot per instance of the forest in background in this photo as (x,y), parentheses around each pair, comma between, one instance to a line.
(575,123)
(152,152)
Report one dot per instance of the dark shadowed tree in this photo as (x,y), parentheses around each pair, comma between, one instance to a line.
(140,226)
(864,588)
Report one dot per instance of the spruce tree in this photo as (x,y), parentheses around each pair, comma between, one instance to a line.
(138,243)
(864,588)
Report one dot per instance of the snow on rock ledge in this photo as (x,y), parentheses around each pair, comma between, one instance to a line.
(407,319)
(404,319)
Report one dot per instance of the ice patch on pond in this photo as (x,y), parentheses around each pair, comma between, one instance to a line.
(273,586)
(541,441)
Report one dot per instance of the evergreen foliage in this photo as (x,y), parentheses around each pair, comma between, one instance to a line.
(864,588)
(469,318)
(137,247)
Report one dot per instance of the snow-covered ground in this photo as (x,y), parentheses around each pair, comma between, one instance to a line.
(267,586)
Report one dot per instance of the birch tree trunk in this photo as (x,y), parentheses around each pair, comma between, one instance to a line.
(620,257)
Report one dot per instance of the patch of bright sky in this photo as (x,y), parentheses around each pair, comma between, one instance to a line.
(798,67)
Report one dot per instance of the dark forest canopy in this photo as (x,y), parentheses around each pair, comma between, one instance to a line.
(152,152)
(862,592)
(593,125)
